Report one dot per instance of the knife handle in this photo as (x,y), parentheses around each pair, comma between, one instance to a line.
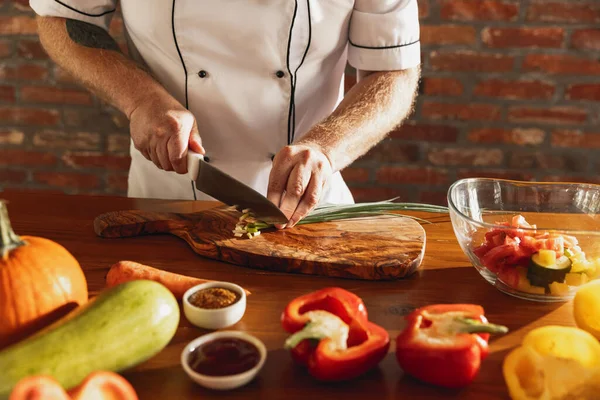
(193,164)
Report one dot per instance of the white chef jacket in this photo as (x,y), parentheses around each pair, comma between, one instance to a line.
(256,74)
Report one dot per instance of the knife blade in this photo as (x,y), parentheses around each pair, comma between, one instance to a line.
(227,189)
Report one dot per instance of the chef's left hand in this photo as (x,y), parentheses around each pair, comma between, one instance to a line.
(297,179)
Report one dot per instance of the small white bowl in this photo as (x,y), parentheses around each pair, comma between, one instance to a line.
(216,318)
(223,382)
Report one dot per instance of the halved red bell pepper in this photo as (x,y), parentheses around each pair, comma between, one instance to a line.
(332,335)
(444,344)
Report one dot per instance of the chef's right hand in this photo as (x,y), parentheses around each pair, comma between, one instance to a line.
(162,129)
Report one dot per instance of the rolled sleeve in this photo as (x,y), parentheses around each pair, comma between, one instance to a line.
(97,12)
(384,35)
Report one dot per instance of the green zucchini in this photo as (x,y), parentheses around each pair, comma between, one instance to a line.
(541,273)
(122,327)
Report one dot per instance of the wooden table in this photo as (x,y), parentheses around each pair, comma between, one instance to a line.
(445,276)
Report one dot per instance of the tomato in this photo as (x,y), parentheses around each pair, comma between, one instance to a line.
(496,256)
(509,275)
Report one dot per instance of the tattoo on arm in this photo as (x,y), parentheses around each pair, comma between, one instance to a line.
(90,35)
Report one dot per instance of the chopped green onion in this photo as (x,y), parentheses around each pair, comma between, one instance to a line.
(250,226)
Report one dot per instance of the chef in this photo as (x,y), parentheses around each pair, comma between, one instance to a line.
(256,86)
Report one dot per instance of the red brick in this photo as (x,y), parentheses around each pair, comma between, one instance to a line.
(470,61)
(426,132)
(67,140)
(576,138)
(561,64)
(565,11)
(457,111)
(118,144)
(11,137)
(434,197)
(117,183)
(390,151)
(518,136)
(471,10)
(12,176)
(544,160)
(49,94)
(584,91)
(26,158)
(514,89)
(413,175)
(67,179)
(546,37)
(549,115)
(466,156)
(442,87)
(353,174)
(7,94)
(31,49)
(494,174)
(96,160)
(364,194)
(447,34)
(5,48)
(17,25)
(28,116)
(28,72)
(423,8)
(586,39)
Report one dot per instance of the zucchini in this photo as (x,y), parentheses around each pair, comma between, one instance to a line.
(122,327)
(541,273)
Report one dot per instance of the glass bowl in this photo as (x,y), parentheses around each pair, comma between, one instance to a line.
(534,240)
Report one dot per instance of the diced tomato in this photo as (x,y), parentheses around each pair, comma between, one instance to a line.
(531,244)
(496,256)
(518,221)
(520,257)
(513,246)
(481,250)
(509,275)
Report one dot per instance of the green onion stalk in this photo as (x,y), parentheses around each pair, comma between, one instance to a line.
(249,225)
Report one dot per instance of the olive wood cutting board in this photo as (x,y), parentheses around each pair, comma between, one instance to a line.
(373,248)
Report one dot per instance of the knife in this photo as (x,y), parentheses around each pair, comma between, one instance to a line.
(227,189)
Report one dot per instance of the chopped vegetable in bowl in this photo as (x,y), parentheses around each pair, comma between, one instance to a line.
(535,261)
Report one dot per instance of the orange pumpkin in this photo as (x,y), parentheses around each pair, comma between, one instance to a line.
(40,281)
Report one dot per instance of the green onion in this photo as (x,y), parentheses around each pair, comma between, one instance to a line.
(249,226)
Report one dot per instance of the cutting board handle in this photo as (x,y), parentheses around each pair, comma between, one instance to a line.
(118,224)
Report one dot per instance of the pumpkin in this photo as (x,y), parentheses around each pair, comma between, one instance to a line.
(40,281)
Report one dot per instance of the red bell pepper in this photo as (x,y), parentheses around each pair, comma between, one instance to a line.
(98,385)
(332,336)
(444,344)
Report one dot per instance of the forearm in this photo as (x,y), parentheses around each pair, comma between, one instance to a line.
(377,104)
(92,57)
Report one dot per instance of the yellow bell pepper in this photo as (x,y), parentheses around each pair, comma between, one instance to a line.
(586,308)
(554,363)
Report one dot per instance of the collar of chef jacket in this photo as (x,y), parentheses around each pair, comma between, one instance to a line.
(256,74)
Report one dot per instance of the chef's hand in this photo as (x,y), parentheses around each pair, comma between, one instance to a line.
(162,129)
(297,178)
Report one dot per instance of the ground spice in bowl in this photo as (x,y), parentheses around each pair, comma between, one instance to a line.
(213,298)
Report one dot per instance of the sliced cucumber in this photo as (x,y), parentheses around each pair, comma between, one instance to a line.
(540,273)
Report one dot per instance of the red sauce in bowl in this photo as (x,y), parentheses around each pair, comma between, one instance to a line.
(223,357)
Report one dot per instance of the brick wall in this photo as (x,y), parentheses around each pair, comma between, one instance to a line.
(510,89)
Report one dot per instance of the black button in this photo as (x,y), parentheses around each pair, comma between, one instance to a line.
(207,159)
(280,74)
(202,74)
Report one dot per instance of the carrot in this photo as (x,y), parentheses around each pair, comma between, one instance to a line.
(125,271)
